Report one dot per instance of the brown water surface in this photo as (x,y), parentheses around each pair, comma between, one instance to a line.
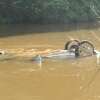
(76,79)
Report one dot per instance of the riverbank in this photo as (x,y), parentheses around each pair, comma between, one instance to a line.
(22,29)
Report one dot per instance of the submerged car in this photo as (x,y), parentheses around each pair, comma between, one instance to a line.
(72,49)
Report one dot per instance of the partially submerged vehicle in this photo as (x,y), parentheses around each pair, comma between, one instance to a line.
(73,49)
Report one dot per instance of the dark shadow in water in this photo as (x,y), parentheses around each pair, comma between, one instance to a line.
(22,29)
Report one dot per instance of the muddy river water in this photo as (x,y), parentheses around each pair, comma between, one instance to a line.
(76,79)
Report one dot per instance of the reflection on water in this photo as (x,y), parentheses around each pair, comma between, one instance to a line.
(22,79)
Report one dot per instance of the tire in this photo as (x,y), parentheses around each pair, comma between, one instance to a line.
(75,49)
(71,44)
(86,48)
